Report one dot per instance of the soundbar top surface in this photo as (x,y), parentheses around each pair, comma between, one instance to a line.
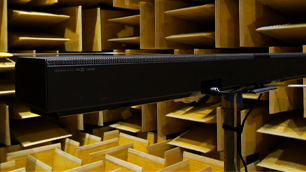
(107,59)
(76,84)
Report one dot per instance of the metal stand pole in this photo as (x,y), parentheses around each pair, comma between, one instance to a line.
(229,136)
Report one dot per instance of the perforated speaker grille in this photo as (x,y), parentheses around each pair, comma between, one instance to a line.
(100,60)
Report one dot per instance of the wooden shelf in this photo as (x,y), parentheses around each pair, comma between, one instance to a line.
(26,41)
(80,138)
(118,152)
(253,15)
(110,30)
(3,55)
(166,125)
(96,166)
(19,170)
(148,52)
(62,3)
(18,2)
(91,139)
(203,13)
(6,65)
(287,6)
(194,139)
(31,19)
(292,33)
(206,114)
(194,39)
(265,96)
(167,25)
(72,124)
(70,28)
(70,146)
(152,137)
(4,151)
(139,143)
(101,130)
(40,3)
(252,142)
(198,162)
(124,4)
(6,88)
(136,3)
(287,157)
(146,161)
(30,53)
(286,99)
(19,111)
(128,20)
(95,118)
(128,40)
(112,164)
(85,4)
(132,124)
(44,153)
(143,120)
(289,124)
(83,152)
(180,166)
(159,149)
(35,131)
(229,51)
(99,118)
(184,51)
(61,158)
(7,166)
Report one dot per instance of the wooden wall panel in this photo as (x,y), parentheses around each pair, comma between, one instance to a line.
(252,15)
(227,24)
(166,25)
(91,29)
(3,26)
(285,99)
(71,28)
(110,30)
(5,135)
(167,125)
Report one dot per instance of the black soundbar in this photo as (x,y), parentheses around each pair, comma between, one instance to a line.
(73,85)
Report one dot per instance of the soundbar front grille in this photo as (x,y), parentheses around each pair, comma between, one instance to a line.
(90,60)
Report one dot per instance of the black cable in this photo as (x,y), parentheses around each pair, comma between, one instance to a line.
(241,127)
(240,154)
(245,118)
(200,102)
(216,91)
